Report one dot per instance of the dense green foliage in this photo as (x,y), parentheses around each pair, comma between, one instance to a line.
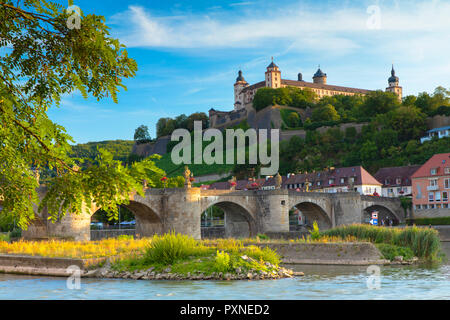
(390,251)
(169,248)
(429,221)
(424,242)
(44,60)
(165,126)
(121,149)
(291,118)
(377,146)
(288,96)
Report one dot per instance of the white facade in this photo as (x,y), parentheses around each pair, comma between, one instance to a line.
(438,132)
(396,191)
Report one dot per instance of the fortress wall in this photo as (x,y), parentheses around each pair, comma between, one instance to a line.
(438,121)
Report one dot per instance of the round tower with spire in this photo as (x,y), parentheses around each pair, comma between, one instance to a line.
(273,76)
(238,95)
(394,87)
(320,77)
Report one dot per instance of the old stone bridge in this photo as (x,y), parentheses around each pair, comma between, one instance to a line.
(247,213)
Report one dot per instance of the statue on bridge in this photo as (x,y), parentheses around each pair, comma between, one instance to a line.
(187,177)
(278,181)
(232,182)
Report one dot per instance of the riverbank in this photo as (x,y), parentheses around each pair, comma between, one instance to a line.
(202,268)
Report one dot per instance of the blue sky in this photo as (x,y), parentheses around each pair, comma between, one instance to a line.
(189,52)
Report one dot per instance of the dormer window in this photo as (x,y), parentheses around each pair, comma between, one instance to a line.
(342,180)
(386,181)
(331,181)
(398,181)
(433,171)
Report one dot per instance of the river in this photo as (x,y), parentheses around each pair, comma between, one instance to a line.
(319,282)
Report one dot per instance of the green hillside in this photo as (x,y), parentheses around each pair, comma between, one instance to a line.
(121,149)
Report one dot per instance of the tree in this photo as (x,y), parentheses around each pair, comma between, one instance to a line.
(325,113)
(141,134)
(408,122)
(379,102)
(294,120)
(45,60)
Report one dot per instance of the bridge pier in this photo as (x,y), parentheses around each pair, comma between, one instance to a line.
(181,212)
(273,210)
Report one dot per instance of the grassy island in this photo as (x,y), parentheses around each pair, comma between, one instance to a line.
(176,256)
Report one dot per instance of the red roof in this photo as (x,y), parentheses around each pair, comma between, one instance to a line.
(388,176)
(438,162)
(360,175)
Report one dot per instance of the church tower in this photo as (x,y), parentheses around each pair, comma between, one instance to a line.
(238,95)
(273,76)
(320,77)
(393,85)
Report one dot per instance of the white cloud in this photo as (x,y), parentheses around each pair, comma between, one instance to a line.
(340,30)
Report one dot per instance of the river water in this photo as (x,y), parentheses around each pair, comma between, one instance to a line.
(319,282)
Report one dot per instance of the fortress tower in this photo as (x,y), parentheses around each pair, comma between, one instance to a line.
(320,77)
(238,95)
(393,85)
(273,76)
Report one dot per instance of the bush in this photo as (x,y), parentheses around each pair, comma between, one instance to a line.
(170,247)
(222,261)
(390,251)
(428,221)
(266,254)
(262,236)
(424,242)
(125,237)
(315,233)
(4,237)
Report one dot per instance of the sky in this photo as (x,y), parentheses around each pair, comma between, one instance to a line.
(189,52)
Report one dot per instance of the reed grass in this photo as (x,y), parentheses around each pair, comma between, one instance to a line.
(424,242)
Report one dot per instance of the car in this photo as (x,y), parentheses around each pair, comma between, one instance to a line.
(99,225)
(128,223)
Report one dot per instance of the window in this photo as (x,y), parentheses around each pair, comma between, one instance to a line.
(447,183)
(433,182)
(386,182)
(447,170)
(342,180)
(433,171)
(431,196)
(331,181)
(398,181)
(438,196)
(444,196)
(352,179)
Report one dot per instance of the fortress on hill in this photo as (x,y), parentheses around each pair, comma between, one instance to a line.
(244,93)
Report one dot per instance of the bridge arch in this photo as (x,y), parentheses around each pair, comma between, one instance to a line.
(384,214)
(239,221)
(311,212)
(148,222)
